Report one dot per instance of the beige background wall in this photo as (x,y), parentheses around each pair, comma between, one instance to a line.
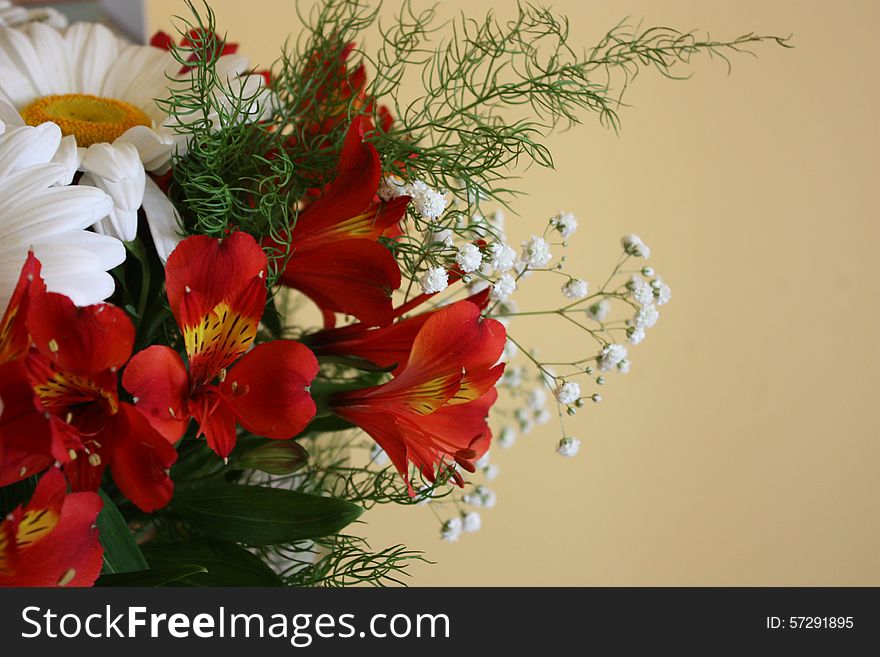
(743,447)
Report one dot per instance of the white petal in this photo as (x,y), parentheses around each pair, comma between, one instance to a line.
(163,219)
(104,251)
(83,289)
(21,76)
(138,77)
(68,156)
(26,146)
(9,116)
(117,170)
(121,222)
(23,184)
(54,61)
(92,49)
(56,210)
(155,147)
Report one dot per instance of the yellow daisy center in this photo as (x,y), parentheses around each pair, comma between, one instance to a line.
(90,119)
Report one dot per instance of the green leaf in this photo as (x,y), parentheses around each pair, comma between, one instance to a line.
(279,457)
(121,553)
(262,516)
(151,577)
(226,564)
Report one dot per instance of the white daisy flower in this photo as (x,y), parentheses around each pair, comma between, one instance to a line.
(38,211)
(104,92)
(16,15)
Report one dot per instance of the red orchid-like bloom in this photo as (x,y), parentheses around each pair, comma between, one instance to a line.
(53,541)
(436,407)
(342,93)
(217,292)
(60,397)
(336,259)
(25,436)
(387,346)
(73,368)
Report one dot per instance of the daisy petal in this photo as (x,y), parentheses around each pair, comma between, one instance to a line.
(163,219)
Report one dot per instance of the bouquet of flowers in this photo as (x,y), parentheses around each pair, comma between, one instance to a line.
(242,306)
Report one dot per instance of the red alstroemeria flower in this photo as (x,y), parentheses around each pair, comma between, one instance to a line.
(53,541)
(436,407)
(25,438)
(217,292)
(73,369)
(342,93)
(387,346)
(337,260)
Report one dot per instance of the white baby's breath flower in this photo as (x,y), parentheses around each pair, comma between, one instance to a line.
(565,223)
(575,288)
(536,252)
(426,201)
(543,416)
(451,530)
(662,292)
(491,471)
(623,366)
(599,311)
(646,317)
(503,257)
(471,522)
(434,280)
(635,334)
(506,437)
(610,356)
(634,246)
(481,497)
(469,257)
(525,421)
(503,288)
(536,399)
(641,291)
(442,236)
(568,392)
(390,187)
(568,446)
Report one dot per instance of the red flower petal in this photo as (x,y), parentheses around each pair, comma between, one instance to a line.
(353,188)
(80,340)
(214,268)
(25,435)
(267,389)
(53,541)
(355,277)
(216,421)
(218,335)
(387,346)
(140,459)
(158,379)
(13,330)
(455,338)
